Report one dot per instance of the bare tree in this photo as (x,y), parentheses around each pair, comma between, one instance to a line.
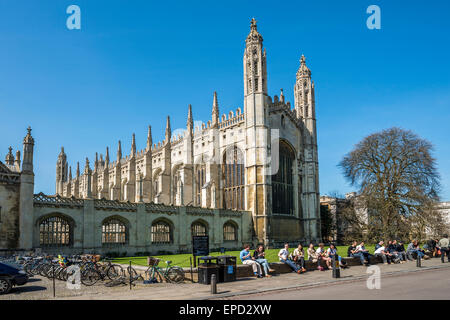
(397,177)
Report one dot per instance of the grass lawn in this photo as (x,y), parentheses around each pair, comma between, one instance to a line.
(182,260)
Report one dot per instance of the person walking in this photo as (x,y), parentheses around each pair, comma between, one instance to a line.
(443,246)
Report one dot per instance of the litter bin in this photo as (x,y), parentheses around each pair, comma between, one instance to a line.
(227,270)
(207,266)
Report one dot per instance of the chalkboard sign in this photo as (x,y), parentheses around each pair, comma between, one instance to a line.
(200,246)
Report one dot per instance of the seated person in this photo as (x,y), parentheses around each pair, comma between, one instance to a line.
(402,251)
(381,252)
(379,244)
(299,257)
(246,258)
(322,255)
(351,249)
(284,257)
(260,256)
(362,251)
(393,249)
(413,250)
(312,255)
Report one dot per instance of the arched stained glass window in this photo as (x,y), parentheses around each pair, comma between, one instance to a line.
(234,179)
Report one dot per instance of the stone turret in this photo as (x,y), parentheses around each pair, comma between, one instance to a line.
(61,171)
(190,120)
(215,111)
(9,160)
(306,111)
(26,194)
(256,101)
(17,161)
(168,134)
(149,140)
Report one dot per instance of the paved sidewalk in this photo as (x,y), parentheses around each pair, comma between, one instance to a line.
(164,291)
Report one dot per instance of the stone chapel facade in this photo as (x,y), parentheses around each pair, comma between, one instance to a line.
(246,176)
(227,162)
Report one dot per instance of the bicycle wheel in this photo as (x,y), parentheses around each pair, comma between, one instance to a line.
(175,274)
(89,277)
(133,274)
(114,271)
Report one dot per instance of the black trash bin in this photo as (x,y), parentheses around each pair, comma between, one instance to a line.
(207,266)
(227,270)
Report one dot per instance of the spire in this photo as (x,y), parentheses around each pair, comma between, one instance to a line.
(9,157)
(119,152)
(254,34)
(17,161)
(253,26)
(96,162)
(28,138)
(215,111)
(190,120)
(70,173)
(168,131)
(78,169)
(149,139)
(107,157)
(281,96)
(28,144)
(303,71)
(133,145)
(86,166)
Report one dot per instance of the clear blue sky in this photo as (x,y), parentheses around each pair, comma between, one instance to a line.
(134,62)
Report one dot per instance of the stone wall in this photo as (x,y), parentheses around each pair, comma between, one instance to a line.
(87,217)
(9,215)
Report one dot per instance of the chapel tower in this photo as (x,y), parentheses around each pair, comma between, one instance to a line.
(257,133)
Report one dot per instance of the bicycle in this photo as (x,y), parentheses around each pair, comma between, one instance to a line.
(91,272)
(172,274)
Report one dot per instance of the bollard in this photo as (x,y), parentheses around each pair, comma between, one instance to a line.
(54,287)
(418,261)
(336,267)
(130,274)
(213,284)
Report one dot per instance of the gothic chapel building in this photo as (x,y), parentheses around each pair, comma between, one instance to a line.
(260,160)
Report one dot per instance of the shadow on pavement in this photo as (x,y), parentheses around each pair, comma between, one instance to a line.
(19,290)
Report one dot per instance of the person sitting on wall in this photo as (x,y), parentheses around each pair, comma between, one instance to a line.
(298,256)
(312,255)
(260,257)
(385,256)
(413,250)
(379,244)
(402,251)
(246,258)
(361,249)
(322,255)
(284,257)
(393,249)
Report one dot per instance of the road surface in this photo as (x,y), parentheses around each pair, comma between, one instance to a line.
(429,284)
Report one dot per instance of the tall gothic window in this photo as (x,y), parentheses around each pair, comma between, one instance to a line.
(55,231)
(114,231)
(282,182)
(161,232)
(229,232)
(200,179)
(233,177)
(199,229)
